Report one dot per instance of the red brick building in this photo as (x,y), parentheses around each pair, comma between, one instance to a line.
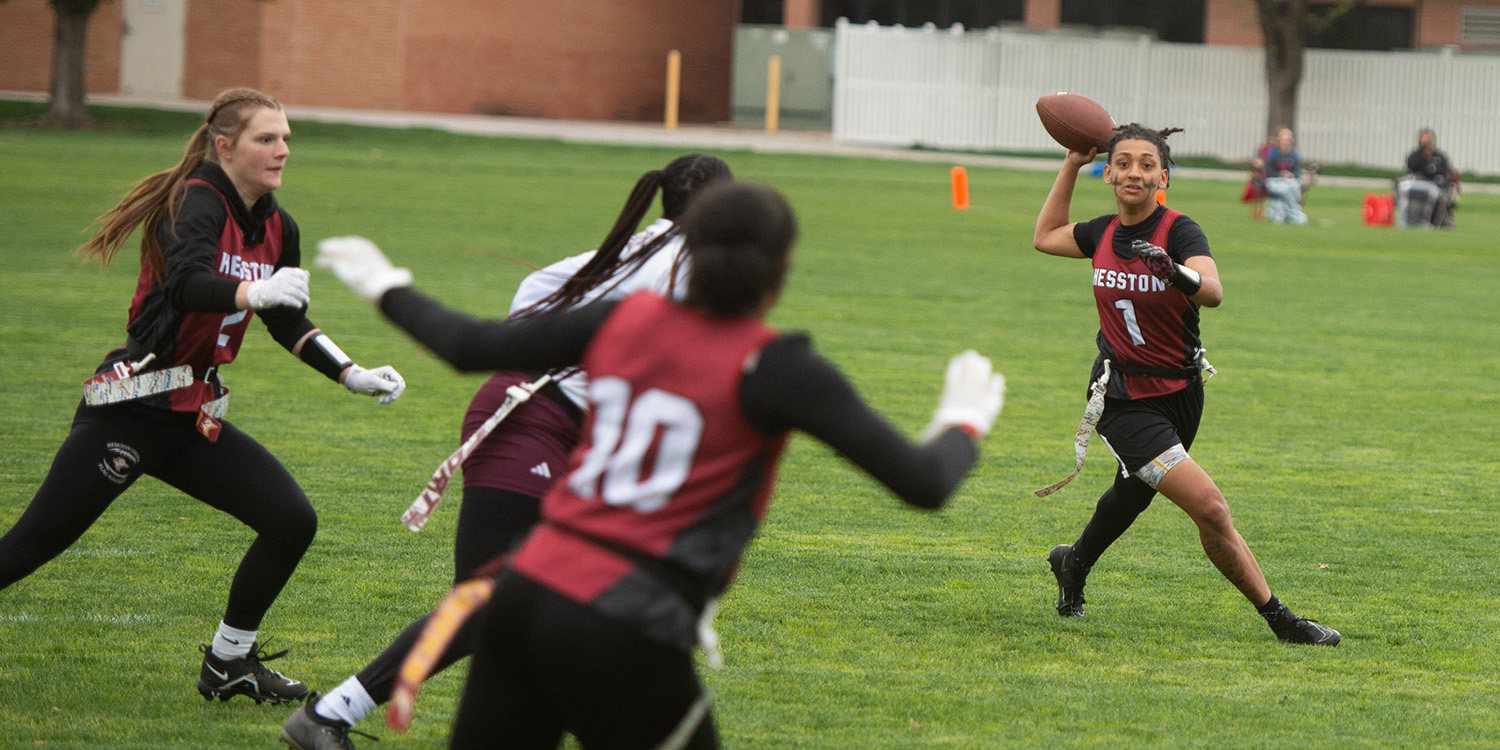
(581,59)
(585,59)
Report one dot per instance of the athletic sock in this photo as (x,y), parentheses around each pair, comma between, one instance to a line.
(232,643)
(1271,607)
(349,702)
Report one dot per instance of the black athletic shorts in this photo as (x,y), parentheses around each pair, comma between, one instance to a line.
(1138,430)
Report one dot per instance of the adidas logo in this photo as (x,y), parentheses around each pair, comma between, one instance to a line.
(541,470)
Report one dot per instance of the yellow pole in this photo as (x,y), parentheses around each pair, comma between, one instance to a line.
(773,93)
(674,86)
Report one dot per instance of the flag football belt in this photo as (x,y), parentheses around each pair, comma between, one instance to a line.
(677,580)
(1169,373)
(421,509)
(1095,408)
(671,575)
(125,382)
(1086,426)
(1199,366)
(117,384)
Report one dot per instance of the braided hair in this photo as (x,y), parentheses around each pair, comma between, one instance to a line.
(1137,131)
(678,182)
(158,197)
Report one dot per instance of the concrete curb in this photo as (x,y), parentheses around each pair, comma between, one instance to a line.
(707,137)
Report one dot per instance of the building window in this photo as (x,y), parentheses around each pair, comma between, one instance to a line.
(973,14)
(761,11)
(1168,20)
(1364,28)
(1478,24)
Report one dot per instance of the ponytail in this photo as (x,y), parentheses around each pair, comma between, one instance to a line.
(678,182)
(599,268)
(159,196)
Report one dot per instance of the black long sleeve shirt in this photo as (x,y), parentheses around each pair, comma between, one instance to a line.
(790,387)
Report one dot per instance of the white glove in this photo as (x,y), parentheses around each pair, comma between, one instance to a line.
(384,382)
(361,266)
(287,287)
(972,396)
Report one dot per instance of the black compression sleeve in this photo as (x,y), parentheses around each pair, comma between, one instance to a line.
(294,329)
(793,388)
(542,342)
(191,247)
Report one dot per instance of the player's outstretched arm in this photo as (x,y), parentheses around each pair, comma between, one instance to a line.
(1054,232)
(791,387)
(319,352)
(540,342)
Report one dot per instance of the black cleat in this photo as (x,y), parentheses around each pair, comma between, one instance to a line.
(1070,577)
(224,679)
(306,730)
(1293,629)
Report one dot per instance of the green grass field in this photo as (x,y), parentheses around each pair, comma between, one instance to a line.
(1353,427)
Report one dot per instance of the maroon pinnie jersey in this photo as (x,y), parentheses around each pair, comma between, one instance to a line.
(669,477)
(1143,321)
(207,340)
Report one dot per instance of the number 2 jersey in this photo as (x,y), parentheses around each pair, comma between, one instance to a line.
(688,416)
(1148,329)
(187,316)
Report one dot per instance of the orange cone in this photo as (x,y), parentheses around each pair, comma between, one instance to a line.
(960,178)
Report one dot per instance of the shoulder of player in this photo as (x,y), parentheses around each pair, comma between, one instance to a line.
(1186,238)
(1185,223)
(1094,228)
(289,226)
(1098,223)
(788,356)
(202,199)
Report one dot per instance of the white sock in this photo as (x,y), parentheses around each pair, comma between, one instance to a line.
(232,643)
(349,702)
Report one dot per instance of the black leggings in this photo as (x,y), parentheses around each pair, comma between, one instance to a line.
(490,521)
(110,447)
(545,666)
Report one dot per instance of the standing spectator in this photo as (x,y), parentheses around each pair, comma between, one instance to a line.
(1428,193)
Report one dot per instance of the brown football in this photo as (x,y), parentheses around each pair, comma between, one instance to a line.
(1075,121)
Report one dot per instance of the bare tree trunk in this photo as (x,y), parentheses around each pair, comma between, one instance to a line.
(1281,24)
(1285,25)
(69,43)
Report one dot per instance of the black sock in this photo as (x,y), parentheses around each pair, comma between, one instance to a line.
(1271,606)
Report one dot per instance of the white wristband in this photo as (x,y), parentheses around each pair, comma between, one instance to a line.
(333,351)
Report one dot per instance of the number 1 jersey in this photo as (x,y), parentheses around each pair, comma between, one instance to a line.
(1148,329)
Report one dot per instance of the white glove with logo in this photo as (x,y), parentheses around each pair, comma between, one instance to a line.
(384,382)
(287,287)
(361,266)
(973,394)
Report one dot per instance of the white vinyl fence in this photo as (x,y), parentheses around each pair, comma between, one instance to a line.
(978,89)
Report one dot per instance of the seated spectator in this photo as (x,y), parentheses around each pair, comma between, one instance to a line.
(1427,195)
(1286,181)
(1255,187)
